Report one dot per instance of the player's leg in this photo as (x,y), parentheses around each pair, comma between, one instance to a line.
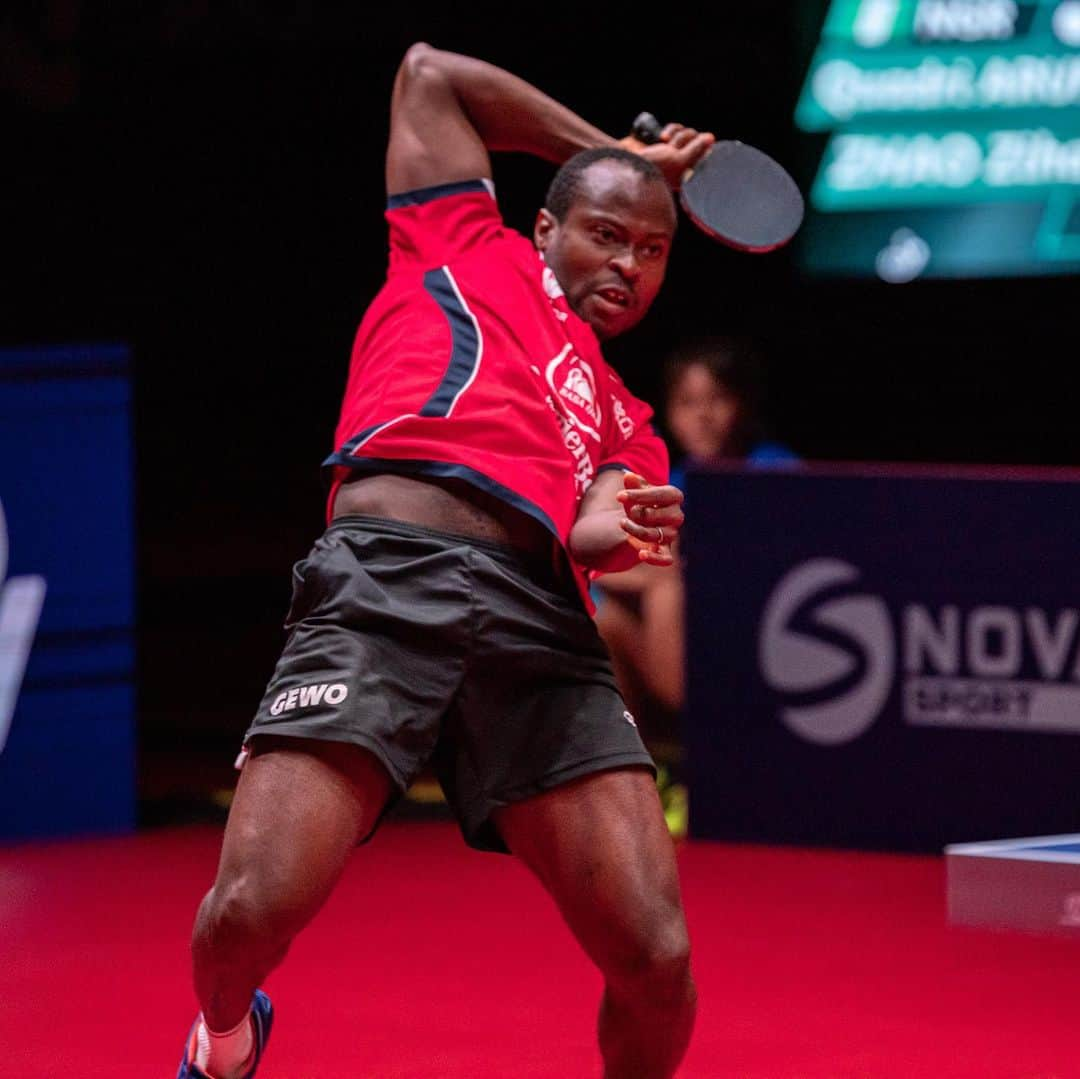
(539,753)
(366,622)
(371,660)
(601,847)
(300,808)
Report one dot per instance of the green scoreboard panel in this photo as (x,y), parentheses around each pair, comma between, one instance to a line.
(951,139)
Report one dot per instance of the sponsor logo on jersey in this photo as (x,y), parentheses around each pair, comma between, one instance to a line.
(572,381)
(584,469)
(554,292)
(622,418)
(551,284)
(574,400)
(580,389)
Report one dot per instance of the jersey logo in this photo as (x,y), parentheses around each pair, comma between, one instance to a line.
(551,285)
(554,291)
(622,418)
(580,389)
(572,382)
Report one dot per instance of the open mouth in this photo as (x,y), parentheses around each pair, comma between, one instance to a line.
(617,297)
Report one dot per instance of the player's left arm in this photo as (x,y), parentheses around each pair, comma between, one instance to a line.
(621,521)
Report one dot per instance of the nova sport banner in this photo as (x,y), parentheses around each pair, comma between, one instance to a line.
(883,658)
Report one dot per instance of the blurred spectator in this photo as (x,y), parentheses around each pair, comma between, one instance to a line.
(713,405)
(712,409)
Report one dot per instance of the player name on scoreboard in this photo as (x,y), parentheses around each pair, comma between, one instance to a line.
(881,170)
(840,90)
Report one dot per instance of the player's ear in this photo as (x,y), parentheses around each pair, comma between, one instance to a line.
(544,229)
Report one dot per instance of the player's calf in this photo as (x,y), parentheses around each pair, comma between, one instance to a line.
(647,1013)
(236,942)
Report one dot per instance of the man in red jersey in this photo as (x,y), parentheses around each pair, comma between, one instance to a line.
(487,462)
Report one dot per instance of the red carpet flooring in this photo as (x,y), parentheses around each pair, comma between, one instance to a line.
(434,961)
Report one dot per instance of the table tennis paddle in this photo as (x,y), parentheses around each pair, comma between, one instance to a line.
(736,194)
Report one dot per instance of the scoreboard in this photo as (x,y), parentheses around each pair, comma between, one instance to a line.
(948,139)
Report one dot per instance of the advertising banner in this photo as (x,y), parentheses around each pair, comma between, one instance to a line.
(67,654)
(883,658)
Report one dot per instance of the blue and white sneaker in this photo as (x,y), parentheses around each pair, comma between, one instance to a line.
(262,1018)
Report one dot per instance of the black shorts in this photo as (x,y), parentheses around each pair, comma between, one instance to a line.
(423,646)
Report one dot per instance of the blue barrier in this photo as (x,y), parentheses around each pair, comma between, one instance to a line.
(67,605)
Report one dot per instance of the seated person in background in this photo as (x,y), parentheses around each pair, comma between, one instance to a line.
(711,410)
(712,405)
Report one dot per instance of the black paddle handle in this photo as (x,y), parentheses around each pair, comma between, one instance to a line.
(646,128)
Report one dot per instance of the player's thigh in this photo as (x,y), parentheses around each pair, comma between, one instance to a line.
(601,847)
(300,808)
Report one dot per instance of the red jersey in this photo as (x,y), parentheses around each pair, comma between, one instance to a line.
(470,364)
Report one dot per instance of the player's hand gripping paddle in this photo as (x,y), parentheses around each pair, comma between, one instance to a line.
(736,194)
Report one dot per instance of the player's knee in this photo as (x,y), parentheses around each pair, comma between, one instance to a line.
(656,961)
(237,916)
(668,960)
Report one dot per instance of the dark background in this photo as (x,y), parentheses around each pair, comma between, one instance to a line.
(204,182)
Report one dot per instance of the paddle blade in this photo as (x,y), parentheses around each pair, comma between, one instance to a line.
(743,198)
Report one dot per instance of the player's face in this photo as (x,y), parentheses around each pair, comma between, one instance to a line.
(610,253)
(701,412)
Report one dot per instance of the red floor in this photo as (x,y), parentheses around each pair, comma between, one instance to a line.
(434,961)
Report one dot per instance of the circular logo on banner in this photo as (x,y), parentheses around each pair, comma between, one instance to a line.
(840,658)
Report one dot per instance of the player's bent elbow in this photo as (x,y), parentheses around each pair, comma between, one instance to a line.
(419,64)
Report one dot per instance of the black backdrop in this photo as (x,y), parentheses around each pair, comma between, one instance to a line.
(205,182)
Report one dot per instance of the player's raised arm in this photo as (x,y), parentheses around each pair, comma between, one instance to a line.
(449,110)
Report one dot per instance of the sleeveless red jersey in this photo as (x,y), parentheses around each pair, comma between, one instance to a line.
(470,364)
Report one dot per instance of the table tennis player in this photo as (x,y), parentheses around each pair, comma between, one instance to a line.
(487,462)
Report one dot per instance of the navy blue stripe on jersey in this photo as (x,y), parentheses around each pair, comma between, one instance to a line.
(467,343)
(466,352)
(357,441)
(439,191)
(408,467)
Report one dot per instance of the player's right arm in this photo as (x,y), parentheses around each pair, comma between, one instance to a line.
(449,110)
